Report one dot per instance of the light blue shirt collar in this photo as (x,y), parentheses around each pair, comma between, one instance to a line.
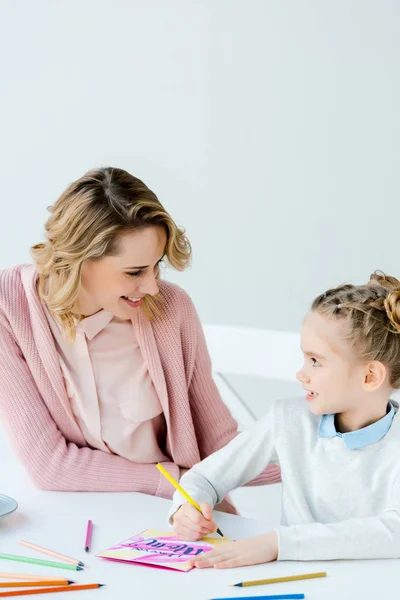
(361,437)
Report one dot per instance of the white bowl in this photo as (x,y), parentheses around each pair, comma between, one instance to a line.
(7,505)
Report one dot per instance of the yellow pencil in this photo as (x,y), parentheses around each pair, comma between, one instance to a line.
(182,491)
(279,579)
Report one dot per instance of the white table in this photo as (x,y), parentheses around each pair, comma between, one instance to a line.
(58,521)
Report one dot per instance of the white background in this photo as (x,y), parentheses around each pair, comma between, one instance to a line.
(268,128)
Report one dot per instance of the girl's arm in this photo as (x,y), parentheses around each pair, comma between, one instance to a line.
(53,462)
(231,467)
(369,537)
(362,538)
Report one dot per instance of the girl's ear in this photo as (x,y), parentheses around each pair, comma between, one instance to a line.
(375,376)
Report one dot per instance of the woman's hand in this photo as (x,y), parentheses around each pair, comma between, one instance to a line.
(191,525)
(251,551)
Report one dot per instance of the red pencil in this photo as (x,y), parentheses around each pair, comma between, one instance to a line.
(88,535)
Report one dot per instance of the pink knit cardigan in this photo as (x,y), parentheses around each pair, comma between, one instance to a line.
(37,417)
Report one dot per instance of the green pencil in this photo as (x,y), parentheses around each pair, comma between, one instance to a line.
(38,561)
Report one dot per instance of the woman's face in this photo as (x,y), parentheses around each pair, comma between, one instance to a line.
(119,283)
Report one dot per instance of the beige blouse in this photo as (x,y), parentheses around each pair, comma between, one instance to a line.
(112,396)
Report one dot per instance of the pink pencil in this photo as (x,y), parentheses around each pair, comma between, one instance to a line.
(72,561)
(88,535)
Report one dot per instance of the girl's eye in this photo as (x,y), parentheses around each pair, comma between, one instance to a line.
(315,362)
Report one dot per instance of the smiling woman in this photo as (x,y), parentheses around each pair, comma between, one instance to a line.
(104,367)
(108,284)
(103,223)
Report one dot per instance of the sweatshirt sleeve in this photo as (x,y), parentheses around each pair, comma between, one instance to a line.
(52,462)
(230,467)
(360,538)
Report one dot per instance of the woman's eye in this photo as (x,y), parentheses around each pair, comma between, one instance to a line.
(315,362)
(135,273)
(140,272)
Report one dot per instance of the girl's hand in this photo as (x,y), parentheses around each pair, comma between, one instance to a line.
(190,525)
(251,551)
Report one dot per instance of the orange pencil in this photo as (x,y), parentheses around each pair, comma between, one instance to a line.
(50,590)
(37,577)
(4,584)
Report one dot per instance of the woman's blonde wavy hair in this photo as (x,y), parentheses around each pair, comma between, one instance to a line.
(85,223)
(372,314)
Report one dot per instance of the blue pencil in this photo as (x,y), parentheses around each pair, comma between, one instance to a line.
(276,597)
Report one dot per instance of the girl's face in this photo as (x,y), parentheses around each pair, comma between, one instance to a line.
(331,375)
(119,283)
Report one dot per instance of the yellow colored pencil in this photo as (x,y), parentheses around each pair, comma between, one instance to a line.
(279,579)
(182,491)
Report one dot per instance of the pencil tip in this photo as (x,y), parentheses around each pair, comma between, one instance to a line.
(86,548)
(69,582)
(80,564)
(101,584)
(79,568)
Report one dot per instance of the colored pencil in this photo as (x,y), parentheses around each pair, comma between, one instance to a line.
(274,597)
(279,579)
(32,577)
(4,584)
(50,590)
(38,561)
(72,561)
(182,491)
(88,535)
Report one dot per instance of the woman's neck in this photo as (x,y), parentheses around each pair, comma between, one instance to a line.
(85,305)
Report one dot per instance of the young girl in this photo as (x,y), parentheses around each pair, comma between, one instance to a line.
(338,450)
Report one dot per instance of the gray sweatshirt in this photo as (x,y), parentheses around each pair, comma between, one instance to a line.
(337,503)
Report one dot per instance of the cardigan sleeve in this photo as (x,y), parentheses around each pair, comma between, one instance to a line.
(214,424)
(52,462)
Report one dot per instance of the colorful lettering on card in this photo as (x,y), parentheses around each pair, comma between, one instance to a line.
(159,549)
